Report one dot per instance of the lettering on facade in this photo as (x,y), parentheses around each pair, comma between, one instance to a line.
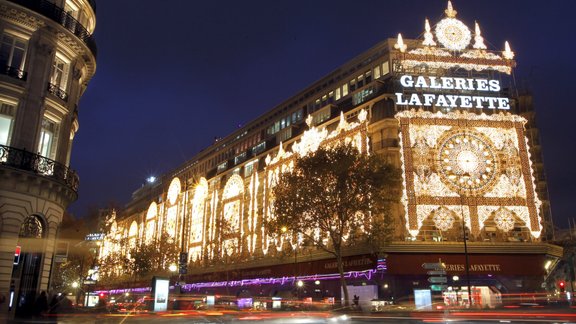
(432,83)
(94,237)
(349,263)
(474,267)
(257,273)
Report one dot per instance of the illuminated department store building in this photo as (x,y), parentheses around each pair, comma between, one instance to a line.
(443,109)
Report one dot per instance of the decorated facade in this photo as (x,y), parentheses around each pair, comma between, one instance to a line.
(442,108)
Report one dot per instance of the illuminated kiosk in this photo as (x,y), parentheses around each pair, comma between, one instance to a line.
(443,109)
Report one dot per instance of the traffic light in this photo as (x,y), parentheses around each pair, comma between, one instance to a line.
(561,285)
(183,263)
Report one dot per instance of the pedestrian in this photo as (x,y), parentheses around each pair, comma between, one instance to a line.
(41,305)
(356,301)
(54,303)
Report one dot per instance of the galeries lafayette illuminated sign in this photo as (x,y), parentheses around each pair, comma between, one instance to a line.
(440,85)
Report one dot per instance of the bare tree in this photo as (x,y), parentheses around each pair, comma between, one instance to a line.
(335,198)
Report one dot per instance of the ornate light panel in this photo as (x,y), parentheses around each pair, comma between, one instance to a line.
(453,34)
(466,161)
(197,213)
(174,190)
(443,219)
(464,167)
(453,49)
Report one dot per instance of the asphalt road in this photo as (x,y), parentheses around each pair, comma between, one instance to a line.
(517,316)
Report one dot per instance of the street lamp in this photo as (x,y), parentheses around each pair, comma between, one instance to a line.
(466,177)
(75,286)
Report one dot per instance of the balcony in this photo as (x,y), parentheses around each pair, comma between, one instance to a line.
(13,72)
(32,162)
(62,18)
(55,90)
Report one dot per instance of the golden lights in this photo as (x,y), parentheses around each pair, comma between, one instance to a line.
(455,52)
(455,163)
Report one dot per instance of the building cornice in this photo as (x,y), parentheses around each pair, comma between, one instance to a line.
(474,247)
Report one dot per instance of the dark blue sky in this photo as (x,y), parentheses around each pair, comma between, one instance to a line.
(174,74)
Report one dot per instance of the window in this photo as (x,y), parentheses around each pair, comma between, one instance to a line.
(240,158)
(259,148)
(32,227)
(71,8)
(360,80)
(285,134)
(317,104)
(12,52)
(321,115)
(48,136)
(222,166)
(338,94)
(7,113)
(345,90)
(360,96)
(60,71)
(298,116)
(352,84)
(377,72)
(385,68)
(249,168)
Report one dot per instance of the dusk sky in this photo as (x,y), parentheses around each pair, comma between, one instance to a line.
(173,74)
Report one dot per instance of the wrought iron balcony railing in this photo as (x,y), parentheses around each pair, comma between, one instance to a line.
(13,72)
(58,15)
(55,90)
(28,161)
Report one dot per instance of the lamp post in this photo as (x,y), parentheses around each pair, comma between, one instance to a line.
(466,176)
(467,262)
(75,286)
(299,285)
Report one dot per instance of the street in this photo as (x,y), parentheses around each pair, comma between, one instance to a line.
(540,315)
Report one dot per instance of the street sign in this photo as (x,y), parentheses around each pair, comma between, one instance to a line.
(436,273)
(437,280)
(433,266)
(437,287)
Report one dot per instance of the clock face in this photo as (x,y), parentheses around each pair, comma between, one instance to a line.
(453,34)
(466,162)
